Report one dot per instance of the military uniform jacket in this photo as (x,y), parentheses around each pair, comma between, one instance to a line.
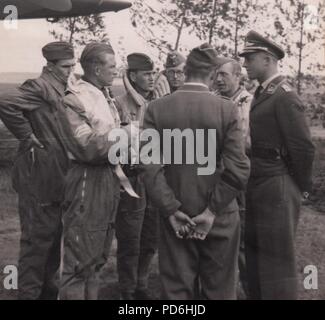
(176,186)
(35,108)
(277,121)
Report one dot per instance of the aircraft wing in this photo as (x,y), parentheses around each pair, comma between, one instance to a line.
(37,9)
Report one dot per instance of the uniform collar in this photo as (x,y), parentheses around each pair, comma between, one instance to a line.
(54,79)
(194,86)
(269,80)
(237,93)
(272,84)
(83,82)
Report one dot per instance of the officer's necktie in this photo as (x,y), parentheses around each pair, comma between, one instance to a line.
(258,92)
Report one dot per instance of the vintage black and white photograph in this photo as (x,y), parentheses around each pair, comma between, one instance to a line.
(162,150)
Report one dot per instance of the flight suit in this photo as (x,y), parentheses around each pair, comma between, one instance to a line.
(92,190)
(39,179)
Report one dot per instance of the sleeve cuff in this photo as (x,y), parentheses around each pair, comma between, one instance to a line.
(171,209)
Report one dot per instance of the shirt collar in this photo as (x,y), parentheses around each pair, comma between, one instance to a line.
(79,85)
(54,79)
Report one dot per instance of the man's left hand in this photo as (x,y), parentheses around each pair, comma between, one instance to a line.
(204,223)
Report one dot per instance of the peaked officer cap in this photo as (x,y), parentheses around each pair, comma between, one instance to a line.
(255,42)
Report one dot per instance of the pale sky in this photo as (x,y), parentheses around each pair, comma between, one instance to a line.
(21,48)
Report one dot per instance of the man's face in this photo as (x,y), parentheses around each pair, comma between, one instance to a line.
(176,76)
(226,80)
(106,71)
(145,80)
(65,67)
(255,65)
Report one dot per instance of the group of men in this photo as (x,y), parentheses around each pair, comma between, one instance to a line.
(72,198)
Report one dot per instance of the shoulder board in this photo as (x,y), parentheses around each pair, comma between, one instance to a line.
(286,87)
(224,97)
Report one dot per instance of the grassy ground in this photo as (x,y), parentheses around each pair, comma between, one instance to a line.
(9,228)
(310,250)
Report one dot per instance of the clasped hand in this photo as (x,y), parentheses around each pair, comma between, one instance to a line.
(196,228)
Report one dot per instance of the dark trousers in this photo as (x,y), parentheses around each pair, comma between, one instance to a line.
(212,263)
(137,239)
(242,285)
(39,257)
(272,214)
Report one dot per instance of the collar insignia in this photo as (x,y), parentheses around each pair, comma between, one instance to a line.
(271,88)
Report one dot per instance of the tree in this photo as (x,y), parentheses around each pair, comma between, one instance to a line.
(80,30)
(164,24)
(224,24)
(213,21)
(161,23)
(302,30)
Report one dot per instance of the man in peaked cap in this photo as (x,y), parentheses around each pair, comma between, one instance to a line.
(174,70)
(137,219)
(199,221)
(281,159)
(254,42)
(32,114)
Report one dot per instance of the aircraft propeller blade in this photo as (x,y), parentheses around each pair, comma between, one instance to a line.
(57,5)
